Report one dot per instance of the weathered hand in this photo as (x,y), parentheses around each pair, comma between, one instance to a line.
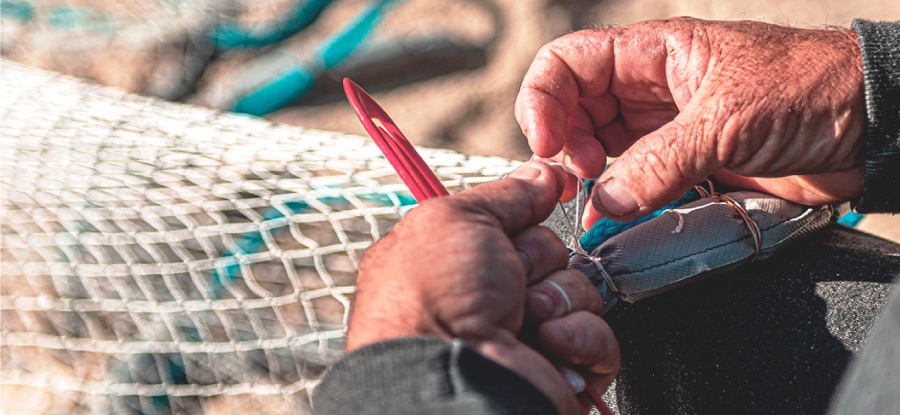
(459,267)
(761,106)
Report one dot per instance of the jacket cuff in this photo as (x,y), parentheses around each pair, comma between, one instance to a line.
(425,375)
(880,46)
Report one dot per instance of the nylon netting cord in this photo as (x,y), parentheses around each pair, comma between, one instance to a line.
(158,257)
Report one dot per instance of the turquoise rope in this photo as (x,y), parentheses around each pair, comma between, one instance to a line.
(225,36)
(230,35)
(296,81)
(607,228)
(22,11)
(850,219)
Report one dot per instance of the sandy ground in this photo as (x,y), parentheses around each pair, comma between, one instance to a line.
(464,103)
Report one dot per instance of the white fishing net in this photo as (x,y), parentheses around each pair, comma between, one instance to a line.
(161,258)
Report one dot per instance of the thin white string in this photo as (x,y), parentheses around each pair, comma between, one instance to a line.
(575,242)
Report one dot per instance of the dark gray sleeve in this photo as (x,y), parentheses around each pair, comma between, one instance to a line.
(871,384)
(880,45)
(425,376)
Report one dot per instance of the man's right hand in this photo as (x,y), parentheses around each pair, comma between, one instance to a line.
(763,107)
(477,267)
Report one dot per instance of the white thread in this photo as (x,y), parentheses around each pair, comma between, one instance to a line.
(563,294)
(604,274)
(680,225)
(575,242)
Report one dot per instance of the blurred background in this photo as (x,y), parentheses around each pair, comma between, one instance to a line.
(447,71)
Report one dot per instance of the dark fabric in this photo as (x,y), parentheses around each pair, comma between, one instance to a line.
(425,376)
(872,385)
(880,45)
(772,337)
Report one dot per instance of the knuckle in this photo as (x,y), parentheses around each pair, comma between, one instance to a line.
(431,213)
(544,241)
(732,126)
(467,208)
(420,213)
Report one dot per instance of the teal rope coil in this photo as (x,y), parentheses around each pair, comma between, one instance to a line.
(231,35)
(296,81)
(607,228)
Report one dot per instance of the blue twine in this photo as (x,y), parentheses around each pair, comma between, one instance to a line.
(607,228)
(231,35)
(850,219)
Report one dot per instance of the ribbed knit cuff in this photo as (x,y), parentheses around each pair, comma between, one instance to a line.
(880,46)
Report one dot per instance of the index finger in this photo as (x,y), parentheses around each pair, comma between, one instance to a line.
(578,65)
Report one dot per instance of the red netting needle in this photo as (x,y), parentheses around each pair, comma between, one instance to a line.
(409,165)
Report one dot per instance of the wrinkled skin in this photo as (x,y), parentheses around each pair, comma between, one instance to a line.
(474,267)
(760,106)
(763,107)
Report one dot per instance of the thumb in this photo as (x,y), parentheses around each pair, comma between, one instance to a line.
(525,198)
(657,169)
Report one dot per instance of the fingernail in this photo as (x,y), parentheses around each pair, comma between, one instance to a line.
(575,381)
(614,198)
(526,171)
